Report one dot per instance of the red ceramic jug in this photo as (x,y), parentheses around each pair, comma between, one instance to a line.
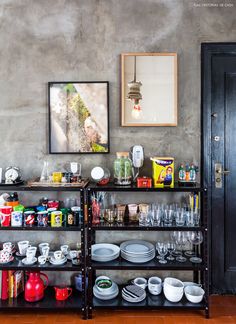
(34,287)
(62,293)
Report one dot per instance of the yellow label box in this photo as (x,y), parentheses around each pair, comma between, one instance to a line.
(163,171)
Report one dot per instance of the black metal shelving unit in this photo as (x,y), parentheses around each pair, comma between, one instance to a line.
(77,301)
(200,271)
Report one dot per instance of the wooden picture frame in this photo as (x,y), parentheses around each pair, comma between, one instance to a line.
(78,117)
(158,74)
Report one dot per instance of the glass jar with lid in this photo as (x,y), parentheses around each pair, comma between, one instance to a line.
(122,169)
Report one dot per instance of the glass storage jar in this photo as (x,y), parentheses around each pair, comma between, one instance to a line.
(122,169)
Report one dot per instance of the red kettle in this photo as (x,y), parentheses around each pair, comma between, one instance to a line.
(34,287)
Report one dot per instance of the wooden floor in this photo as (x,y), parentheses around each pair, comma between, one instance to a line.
(223,311)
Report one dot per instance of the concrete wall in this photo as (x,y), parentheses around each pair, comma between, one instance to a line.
(57,40)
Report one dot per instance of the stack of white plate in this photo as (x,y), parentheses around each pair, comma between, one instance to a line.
(137,251)
(104,252)
(133,294)
(106,294)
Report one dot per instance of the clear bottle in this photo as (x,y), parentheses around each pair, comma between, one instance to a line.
(122,169)
(192,172)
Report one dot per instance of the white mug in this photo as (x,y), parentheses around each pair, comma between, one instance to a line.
(155,285)
(42,245)
(45,251)
(31,250)
(73,254)
(42,259)
(58,255)
(64,249)
(141,282)
(23,246)
(30,255)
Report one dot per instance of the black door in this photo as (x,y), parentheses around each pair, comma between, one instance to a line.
(219,159)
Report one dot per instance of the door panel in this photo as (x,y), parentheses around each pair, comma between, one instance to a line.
(219,105)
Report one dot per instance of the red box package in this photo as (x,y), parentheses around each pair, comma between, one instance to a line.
(144,182)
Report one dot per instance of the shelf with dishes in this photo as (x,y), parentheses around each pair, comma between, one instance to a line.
(137,227)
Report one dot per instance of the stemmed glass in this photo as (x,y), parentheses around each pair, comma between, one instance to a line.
(170,247)
(181,240)
(196,239)
(173,236)
(190,252)
(162,250)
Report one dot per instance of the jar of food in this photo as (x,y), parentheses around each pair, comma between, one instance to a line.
(100,175)
(122,169)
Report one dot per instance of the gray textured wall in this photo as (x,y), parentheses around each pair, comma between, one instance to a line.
(55,40)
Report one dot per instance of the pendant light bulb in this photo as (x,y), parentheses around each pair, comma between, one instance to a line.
(136,111)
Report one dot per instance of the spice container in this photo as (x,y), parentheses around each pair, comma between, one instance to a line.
(122,169)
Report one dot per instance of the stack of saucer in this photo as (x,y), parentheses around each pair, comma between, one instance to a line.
(104,252)
(105,288)
(133,294)
(137,251)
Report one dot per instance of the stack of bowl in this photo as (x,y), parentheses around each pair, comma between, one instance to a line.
(173,289)
(194,294)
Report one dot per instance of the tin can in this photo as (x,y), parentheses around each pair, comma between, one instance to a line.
(73,217)
(144,182)
(29,218)
(53,204)
(16,218)
(56,218)
(5,215)
(42,218)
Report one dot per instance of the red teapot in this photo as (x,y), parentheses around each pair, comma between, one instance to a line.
(34,287)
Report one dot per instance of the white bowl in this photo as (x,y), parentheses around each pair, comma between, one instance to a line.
(173,297)
(194,294)
(173,283)
(190,283)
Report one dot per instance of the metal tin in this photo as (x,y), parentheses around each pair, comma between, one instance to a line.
(144,182)
(16,218)
(29,218)
(56,218)
(42,218)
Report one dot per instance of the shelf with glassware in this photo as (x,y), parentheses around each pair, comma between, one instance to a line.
(25,256)
(184,224)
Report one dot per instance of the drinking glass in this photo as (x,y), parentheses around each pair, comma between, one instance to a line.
(173,236)
(181,240)
(180,217)
(162,250)
(196,239)
(170,247)
(157,219)
(143,221)
(196,217)
(189,252)
(168,217)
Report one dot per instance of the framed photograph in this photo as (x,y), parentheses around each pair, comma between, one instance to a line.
(78,117)
(149,89)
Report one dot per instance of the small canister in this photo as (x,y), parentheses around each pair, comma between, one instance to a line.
(16,218)
(42,218)
(73,217)
(56,218)
(53,204)
(29,218)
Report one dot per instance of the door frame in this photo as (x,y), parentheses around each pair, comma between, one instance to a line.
(208,50)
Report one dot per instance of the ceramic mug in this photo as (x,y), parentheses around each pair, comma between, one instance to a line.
(42,218)
(42,245)
(58,255)
(45,251)
(155,285)
(62,293)
(141,282)
(8,246)
(42,259)
(56,218)
(31,250)
(30,255)
(5,256)
(16,218)
(64,249)
(73,254)
(23,246)
(29,218)
(5,215)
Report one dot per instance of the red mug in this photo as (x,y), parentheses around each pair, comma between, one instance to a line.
(62,293)
(5,215)
(53,204)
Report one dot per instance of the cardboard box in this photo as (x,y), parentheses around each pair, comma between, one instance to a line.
(163,172)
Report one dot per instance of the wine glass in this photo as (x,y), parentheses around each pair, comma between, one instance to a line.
(162,250)
(181,240)
(189,252)
(196,239)
(170,247)
(173,236)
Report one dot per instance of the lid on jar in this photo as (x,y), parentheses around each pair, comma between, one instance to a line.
(122,154)
(97,173)
(75,208)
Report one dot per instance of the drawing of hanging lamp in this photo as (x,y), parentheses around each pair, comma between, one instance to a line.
(135,95)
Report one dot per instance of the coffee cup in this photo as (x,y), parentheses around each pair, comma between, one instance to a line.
(30,255)
(45,251)
(64,249)
(23,246)
(8,246)
(5,256)
(155,285)
(31,250)
(73,254)
(42,259)
(42,245)
(141,282)
(58,255)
